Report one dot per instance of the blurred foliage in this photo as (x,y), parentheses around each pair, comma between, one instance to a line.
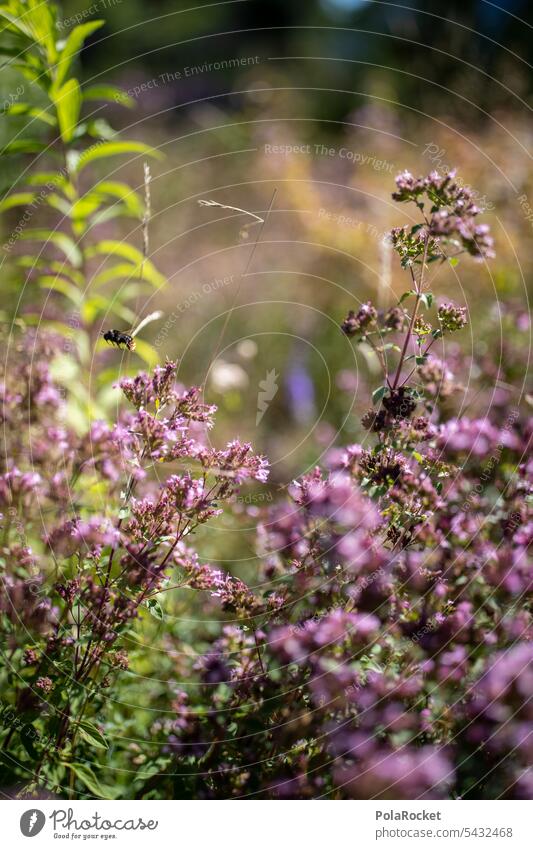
(475,48)
(76,265)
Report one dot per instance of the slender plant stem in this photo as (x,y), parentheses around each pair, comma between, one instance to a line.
(414,369)
(418,288)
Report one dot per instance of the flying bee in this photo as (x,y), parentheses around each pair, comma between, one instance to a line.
(127,340)
(120,339)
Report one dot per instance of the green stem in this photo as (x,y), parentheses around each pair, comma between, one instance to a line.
(418,287)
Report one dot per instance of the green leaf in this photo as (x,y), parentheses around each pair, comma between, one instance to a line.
(60,204)
(121,200)
(89,780)
(121,191)
(98,128)
(420,360)
(73,45)
(121,271)
(32,112)
(44,178)
(109,93)
(106,149)
(154,608)
(427,299)
(18,199)
(16,22)
(28,733)
(126,271)
(14,52)
(60,268)
(24,146)
(36,75)
(64,287)
(436,333)
(92,735)
(405,296)
(61,241)
(85,206)
(378,394)
(100,304)
(41,20)
(109,247)
(118,210)
(68,104)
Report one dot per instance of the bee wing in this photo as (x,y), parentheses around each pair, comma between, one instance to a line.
(149,318)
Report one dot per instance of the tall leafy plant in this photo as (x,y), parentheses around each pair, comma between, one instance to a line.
(87,274)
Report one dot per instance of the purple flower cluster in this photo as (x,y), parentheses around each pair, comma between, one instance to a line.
(111,564)
(452,317)
(453,211)
(365,317)
(77,536)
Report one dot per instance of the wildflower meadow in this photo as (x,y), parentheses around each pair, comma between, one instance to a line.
(266,490)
